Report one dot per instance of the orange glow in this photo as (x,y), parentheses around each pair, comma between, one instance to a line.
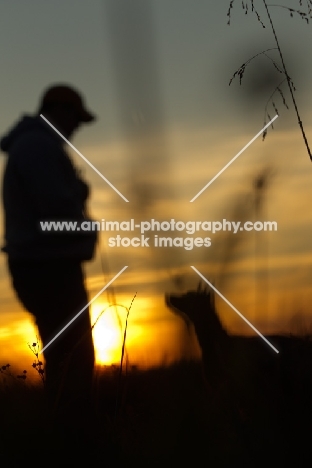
(151,338)
(108,332)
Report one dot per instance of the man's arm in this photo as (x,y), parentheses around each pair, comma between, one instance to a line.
(48,178)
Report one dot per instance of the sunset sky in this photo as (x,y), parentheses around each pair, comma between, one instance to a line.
(156,73)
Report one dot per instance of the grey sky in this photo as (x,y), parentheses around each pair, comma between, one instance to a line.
(194,53)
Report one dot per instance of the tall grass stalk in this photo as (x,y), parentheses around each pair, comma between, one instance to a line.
(122,356)
(291,87)
(288,80)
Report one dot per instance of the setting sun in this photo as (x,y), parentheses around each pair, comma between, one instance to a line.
(144,344)
(108,332)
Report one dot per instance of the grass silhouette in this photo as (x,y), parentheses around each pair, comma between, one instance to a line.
(169,411)
(281,68)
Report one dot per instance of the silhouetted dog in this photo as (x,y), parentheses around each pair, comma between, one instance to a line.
(243,371)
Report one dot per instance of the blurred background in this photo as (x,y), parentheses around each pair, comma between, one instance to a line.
(157,73)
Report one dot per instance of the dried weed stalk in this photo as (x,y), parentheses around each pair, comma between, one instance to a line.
(306,16)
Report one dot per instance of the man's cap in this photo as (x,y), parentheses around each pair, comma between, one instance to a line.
(66,95)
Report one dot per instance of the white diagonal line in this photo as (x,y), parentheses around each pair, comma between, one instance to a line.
(233,159)
(85,159)
(84,308)
(235,310)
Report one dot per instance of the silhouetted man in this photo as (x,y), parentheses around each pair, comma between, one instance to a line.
(41,183)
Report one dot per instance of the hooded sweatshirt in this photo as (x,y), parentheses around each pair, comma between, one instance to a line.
(40,183)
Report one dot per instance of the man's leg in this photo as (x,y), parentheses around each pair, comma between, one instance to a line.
(54,293)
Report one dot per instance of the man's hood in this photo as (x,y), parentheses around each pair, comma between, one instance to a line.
(25,124)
